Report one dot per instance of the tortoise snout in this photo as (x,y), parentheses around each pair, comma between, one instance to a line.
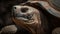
(20,8)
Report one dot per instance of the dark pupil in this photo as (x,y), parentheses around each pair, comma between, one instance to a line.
(24,10)
(14,7)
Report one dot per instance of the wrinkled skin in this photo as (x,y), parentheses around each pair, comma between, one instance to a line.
(30,15)
(30,19)
(37,26)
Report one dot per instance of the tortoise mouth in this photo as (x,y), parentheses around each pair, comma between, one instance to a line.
(24,17)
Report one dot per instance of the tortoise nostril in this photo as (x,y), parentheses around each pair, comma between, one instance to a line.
(24,10)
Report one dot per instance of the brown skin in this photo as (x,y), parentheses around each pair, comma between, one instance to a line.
(52,20)
(40,27)
(32,28)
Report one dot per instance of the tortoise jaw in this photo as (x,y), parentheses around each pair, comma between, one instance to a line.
(24,17)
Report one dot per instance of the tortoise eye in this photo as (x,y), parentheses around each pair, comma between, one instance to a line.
(14,7)
(24,10)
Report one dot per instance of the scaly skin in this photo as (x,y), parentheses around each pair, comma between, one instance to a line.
(31,25)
